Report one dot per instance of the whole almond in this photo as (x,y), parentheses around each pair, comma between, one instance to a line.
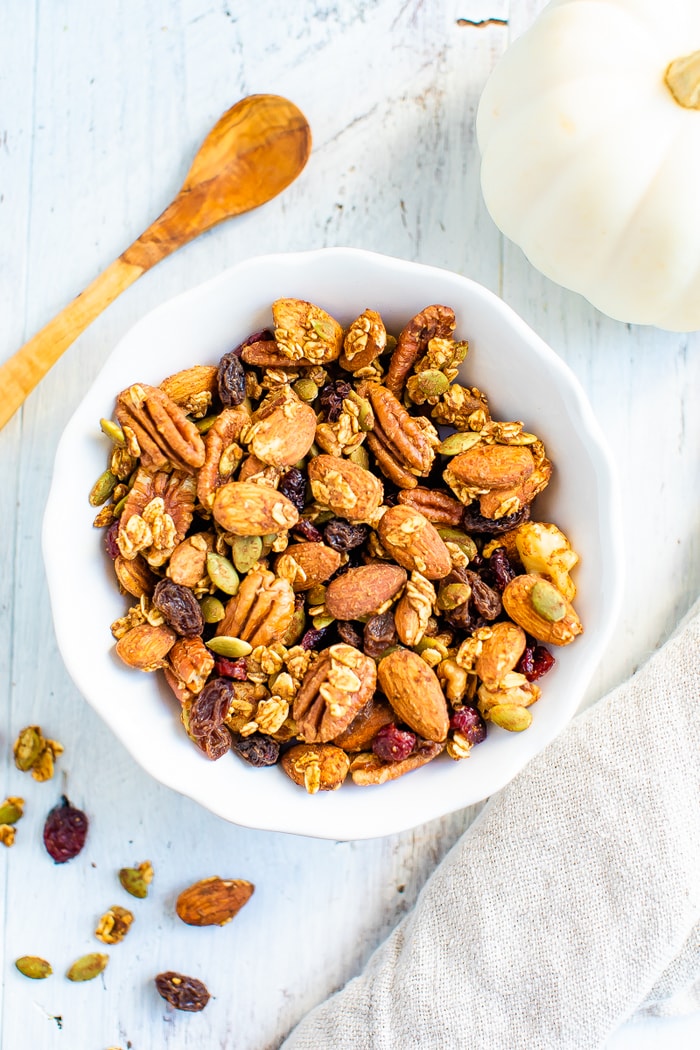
(500,652)
(145,647)
(247,509)
(413,542)
(306,564)
(213,901)
(345,488)
(283,431)
(364,590)
(493,466)
(413,690)
(518,603)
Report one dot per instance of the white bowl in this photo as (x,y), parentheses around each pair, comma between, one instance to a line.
(523,378)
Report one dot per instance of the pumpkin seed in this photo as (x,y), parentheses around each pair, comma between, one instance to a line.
(457,443)
(205,424)
(87,967)
(465,543)
(306,390)
(323,620)
(27,748)
(226,645)
(452,595)
(113,431)
(137,880)
(547,601)
(432,382)
(222,573)
(34,967)
(212,609)
(512,717)
(245,551)
(102,489)
(11,810)
(360,456)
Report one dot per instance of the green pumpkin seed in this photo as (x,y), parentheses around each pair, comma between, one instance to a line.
(323,620)
(11,810)
(28,746)
(547,601)
(306,390)
(464,542)
(457,443)
(87,967)
(137,880)
(360,456)
(226,645)
(296,628)
(452,595)
(246,550)
(512,717)
(222,573)
(365,416)
(113,431)
(212,609)
(205,424)
(34,967)
(432,382)
(102,489)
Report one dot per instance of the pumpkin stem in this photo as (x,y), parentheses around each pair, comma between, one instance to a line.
(683,80)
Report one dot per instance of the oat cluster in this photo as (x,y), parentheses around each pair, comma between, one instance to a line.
(328,548)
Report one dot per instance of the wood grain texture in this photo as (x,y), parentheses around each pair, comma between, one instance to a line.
(103,107)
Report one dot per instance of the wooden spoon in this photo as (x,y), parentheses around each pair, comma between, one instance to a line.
(255,150)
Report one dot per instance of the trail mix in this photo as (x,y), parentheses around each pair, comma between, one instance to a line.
(326,580)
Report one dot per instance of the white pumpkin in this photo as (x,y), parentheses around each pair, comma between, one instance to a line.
(589,130)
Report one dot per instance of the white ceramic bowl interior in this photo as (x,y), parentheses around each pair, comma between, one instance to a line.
(523,378)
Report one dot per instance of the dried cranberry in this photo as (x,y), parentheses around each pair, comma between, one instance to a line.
(111,545)
(501,571)
(184,993)
(237,669)
(349,633)
(65,831)
(257,750)
(313,637)
(293,486)
(332,396)
(265,336)
(231,380)
(392,744)
(342,536)
(179,607)
(535,662)
(379,634)
(468,722)
(306,530)
(473,521)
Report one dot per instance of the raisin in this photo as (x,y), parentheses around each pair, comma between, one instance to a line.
(179,607)
(293,486)
(313,637)
(535,662)
(473,521)
(379,634)
(332,396)
(231,380)
(500,569)
(486,600)
(184,993)
(111,545)
(206,717)
(65,831)
(392,744)
(342,536)
(257,750)
(468,722)
(349,634)
(236,669)
(306,530)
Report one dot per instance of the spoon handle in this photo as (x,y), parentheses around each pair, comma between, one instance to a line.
(23,371)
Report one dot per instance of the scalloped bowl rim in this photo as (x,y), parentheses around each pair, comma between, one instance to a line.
(198,326)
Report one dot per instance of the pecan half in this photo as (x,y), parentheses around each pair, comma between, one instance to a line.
(367,769)
(403,445)
(162,431)
(261,611)
(437,506)
(156,516)
(431,322)
(222,454)
(338,685)
(191,662)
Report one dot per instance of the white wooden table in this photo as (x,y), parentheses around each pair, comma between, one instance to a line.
(101,108)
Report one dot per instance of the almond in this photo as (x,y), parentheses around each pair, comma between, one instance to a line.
(500,652)
(317,767)
(213,901)
(247,509)
(306,564)
(413,542)
(145,647)
(283,431)
(539,619)
(364,591)
(493,466)
(345,488)
(413,690)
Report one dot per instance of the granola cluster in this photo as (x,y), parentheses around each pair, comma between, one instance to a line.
(328,548)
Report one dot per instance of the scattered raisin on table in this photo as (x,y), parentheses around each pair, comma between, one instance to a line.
(257,750)
(179,607)
(65,831)
(184,993)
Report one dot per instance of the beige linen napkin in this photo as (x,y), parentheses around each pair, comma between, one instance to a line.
(571,902)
